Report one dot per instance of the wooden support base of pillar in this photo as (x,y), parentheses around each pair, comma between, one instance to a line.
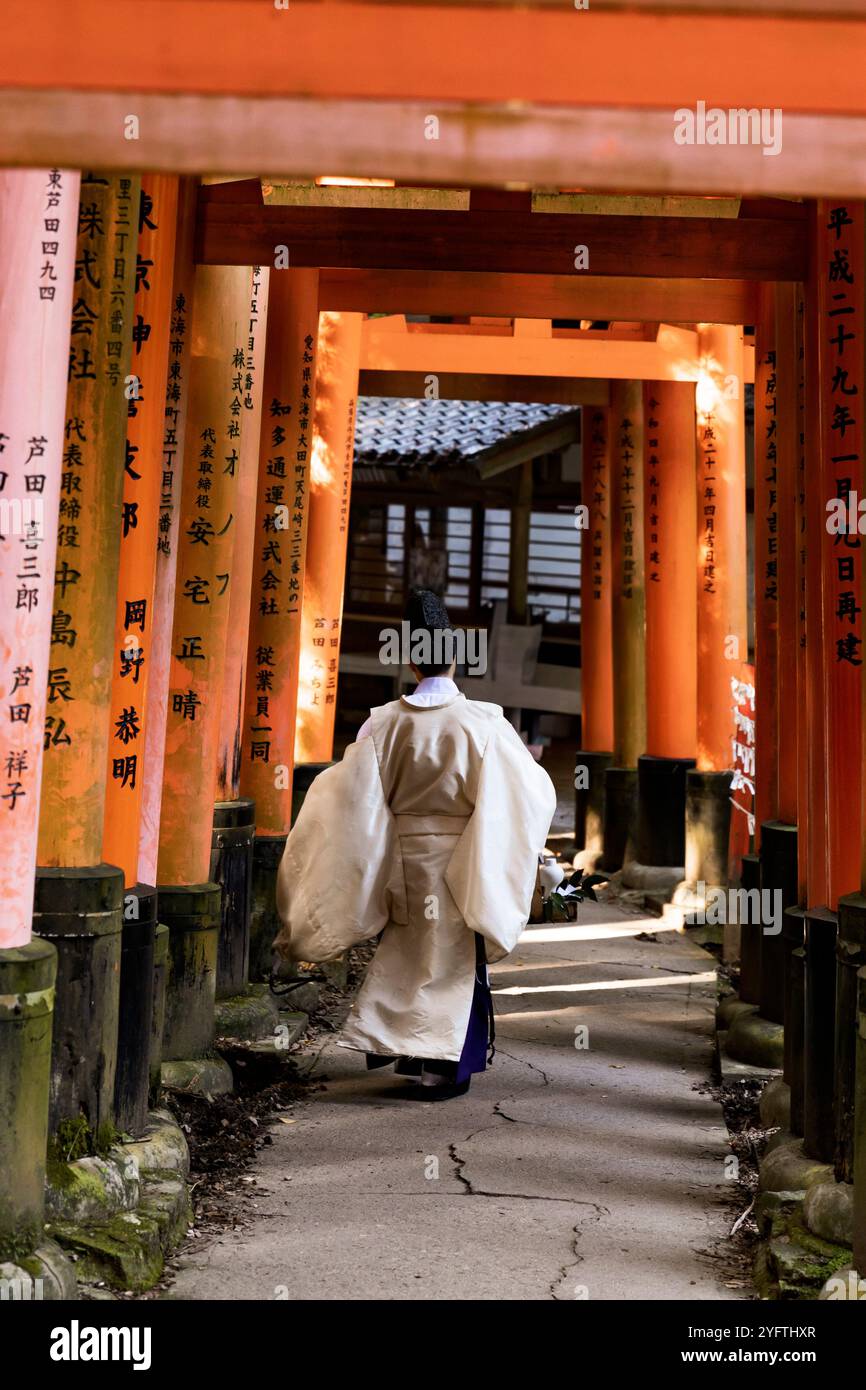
(798,1015)
(192,914)
(27,976)
(661,820)
(794,939)
(750,936)
(620,817)
(231,866)
(589,807)
(778,876)
(157,1025)
(850,958)
(264,919)
(708,827)
(81,912)
(819,1034)
(860,1130)
(135,1017)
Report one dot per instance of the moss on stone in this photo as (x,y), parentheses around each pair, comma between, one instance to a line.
(75,1183)
(797,1262)
(125,1252)
(17,1245)
(75,1139)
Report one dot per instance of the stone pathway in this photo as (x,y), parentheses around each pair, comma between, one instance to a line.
(567,1172)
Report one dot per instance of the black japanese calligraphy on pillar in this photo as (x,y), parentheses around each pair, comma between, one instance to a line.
(653,500)
(841,413)
(599,501)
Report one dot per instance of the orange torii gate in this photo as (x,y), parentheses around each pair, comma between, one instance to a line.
(824,776)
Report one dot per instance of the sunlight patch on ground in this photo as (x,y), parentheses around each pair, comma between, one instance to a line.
(594,931)
(590,986)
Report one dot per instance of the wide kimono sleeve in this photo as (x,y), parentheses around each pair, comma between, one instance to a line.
(334,885)
(491,874)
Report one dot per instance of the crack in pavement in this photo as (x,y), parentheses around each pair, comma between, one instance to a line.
(523,1062)
(576,1233)
(459,1164)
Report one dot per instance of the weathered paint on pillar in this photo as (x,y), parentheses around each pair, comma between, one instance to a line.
(88,533)
(173,434)
(627,567)
(339,355)
(231,712)
(721,531)
(671,607)
(38,219)
(142,485)
(766,562)
(215,420)
(840,270)
(279,556)
(789,432)
(596,641)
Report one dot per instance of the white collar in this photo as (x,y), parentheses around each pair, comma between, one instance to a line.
(432,691)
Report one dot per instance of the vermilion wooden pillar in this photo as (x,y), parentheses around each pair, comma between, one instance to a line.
(769,962)
(767,427)
(835,386)
(671,619)
(234,816)
(629,595)
(816,847)
(190,903)
(142,485)
(804,741)
(336,390)
(176,397)
(596,640)
(721,595)
(79,898)
(215,418)
(38,218)
(722,635)
(789,431)
(156,224)
(671,609)
(38,213)
(250,382)
(88,539)
(840,385)
(628,620)
(279,558)
(595,586)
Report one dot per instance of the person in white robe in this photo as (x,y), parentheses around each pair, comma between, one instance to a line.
(428,834)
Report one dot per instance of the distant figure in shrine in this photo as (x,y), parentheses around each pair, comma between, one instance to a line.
(428,563)
(427,832)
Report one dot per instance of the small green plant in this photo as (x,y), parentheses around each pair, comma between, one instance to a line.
(75,1139)
(71,1141)
(561,904)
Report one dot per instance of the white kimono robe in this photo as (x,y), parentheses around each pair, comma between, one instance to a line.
(427,831)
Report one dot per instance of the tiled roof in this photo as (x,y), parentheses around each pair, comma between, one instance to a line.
(412,433)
